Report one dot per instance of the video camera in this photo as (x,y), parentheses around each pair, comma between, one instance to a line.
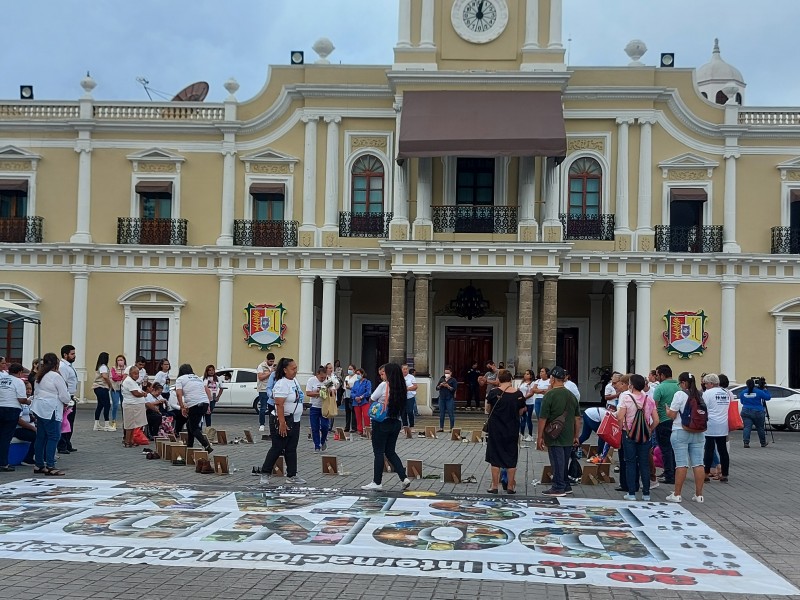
(760,382)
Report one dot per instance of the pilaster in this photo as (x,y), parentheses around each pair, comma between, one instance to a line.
(397,327)
(619,349)
(421,316)
(551,228)
(423,224)
(729,204)
(525,324)
(330,229)
(727,341)
(83,147)
(228,189)
(527,228)
(328,337)
(643,321)
(80,304)
(225,319)
(306,331)
(644,228)
(308,229)
(549,330)
(622,231)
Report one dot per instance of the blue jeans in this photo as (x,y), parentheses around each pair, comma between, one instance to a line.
(559,462)
(319,427)
(527,419)
(9,417)
(448,405)
(103,403)
(48,432)
(589,426)
(116,398)
(537,406)
(263,407)
(637,464)
(408,413)
(754,418)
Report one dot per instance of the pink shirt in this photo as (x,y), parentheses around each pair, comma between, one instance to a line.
(631,402)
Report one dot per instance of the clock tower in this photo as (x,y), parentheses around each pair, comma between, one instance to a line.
(490,35)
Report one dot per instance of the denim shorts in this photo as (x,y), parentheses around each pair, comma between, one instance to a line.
(688,448)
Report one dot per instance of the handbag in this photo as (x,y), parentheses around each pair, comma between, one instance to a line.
(735,422)
(379,410)
(610,431)
(486,422)
(574,471)
(554,428)
(329,405)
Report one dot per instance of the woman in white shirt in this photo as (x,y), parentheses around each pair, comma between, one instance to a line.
(717,400)
(102,391)
(528,389)
(48,405)
(194,398)
(162,377)
(284,422)
(541,386)
(349,414)
(134,412)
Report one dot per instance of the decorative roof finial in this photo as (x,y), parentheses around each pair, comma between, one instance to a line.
(716,45)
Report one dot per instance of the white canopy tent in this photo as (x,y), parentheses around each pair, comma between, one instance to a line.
(14,313)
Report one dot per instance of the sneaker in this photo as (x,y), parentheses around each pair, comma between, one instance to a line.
(723,479)
(372,486)
(406,483)
(264,479)
(324,447)
(619,488)
(698,499)
(747,444)
(645,497)
(629,497)
(568,491)
(260,428)
(673,498)
(555,493)
(296,480)
(665,480)
(765,444)
(527,438)
(317,450)
(654,485)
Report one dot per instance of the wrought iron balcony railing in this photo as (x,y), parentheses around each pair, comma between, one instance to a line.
(272,234)
(21,229)
(152,232)
(587,227)
(358,224)
(472,218)
(689,238)
(785,240)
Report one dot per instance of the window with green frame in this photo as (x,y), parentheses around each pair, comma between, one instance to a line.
(475,181)
(368,185)
(585,181)
(13,203)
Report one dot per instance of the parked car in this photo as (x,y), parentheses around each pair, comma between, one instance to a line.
(240,388)
(784,407)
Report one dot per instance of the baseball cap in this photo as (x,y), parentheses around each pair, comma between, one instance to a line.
(558,372)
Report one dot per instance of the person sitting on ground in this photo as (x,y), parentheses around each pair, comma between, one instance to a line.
(154,403)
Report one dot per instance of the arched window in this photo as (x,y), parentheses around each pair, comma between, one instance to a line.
(585,181)
(368,176)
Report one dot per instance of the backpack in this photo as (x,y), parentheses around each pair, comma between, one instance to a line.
(639,432)
(694,416)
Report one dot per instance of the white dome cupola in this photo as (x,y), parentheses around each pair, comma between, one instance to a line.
(717,79)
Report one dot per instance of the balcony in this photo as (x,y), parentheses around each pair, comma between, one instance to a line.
(152,232)
(371,225)
(689,238)
(265,234)
(21,230)
(785,240)
(587,227)
(472,218)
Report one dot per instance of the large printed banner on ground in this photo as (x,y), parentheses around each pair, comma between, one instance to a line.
(596,542)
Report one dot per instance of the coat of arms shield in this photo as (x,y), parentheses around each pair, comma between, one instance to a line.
(264,327)
(686,333)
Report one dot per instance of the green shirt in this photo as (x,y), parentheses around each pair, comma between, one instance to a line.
(663,397)
(555,402)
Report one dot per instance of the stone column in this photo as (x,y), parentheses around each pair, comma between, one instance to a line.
(305,334)
(83,233)
(536,351)
(619,360)
(398,228)
(596,333)
(727,340)
(228,188)
(397,328)
(328,337)
(225,319)
(423,282)
(645,196)
(423,225)
(345,325)
(309,222)
(525,324)
(426,25)
(80,304)
(531,25)
(549,330)
(729,206)
(512,313)
(622,213)
(404,25)
(332,176)
(555,24)
(643,321)
(551,200)
(526,200)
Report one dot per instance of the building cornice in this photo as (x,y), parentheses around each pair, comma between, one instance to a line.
(478,77)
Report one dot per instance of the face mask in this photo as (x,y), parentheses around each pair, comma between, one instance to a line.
(447,375)
(358,376)
(349,371)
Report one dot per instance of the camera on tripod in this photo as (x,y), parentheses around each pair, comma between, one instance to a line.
(760,382)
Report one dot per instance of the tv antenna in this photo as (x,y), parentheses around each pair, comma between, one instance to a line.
(145,83)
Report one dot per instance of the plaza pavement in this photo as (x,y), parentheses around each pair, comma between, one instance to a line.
(757,511)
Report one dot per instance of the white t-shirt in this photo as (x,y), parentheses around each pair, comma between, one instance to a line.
(541,385)
(128,386)
(142,374)
(194,390)
(261,386)
(349,382)
(525,388)
(609,391)
(678,404)
(313,385)
(410,380)
(288,389)
(11,388)
(162,377)
(595,413)
(570,385)
(717,401)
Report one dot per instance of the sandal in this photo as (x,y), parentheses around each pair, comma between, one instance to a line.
(510,491)
(54,473)
(492,491)
(470,479)
(40,470)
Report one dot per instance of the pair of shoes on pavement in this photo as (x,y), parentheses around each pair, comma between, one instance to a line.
(265,479)
(374,487)
(674,498)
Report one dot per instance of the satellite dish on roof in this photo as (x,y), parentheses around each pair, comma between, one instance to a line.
(195,92)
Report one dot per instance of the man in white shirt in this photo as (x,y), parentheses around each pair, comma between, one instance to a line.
(411,399)
(319,424)
(263,371)
(610,394)
(140,362)
(70,376)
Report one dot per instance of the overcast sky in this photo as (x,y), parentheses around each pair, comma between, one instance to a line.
(52,43)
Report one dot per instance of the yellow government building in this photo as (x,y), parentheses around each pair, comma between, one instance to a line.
(477,199)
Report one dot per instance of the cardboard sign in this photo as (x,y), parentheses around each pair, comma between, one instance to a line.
(455,434)
(222,438)
(279,470)
(248,436)
(476,437)
(414,468)
(452,473)
(220,464)
(330,465)
(430,433)
(195,454)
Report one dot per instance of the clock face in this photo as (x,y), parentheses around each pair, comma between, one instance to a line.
(479,21)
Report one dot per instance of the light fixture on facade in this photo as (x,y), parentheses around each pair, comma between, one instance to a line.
(668,59)
(26,92)
(469,303)
(297,57)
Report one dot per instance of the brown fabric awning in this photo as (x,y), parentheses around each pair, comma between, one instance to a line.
(267,188)
(695,194)
(482,123)
(143,187)
(14,185)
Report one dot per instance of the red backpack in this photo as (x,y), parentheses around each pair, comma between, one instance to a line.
(694,416)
